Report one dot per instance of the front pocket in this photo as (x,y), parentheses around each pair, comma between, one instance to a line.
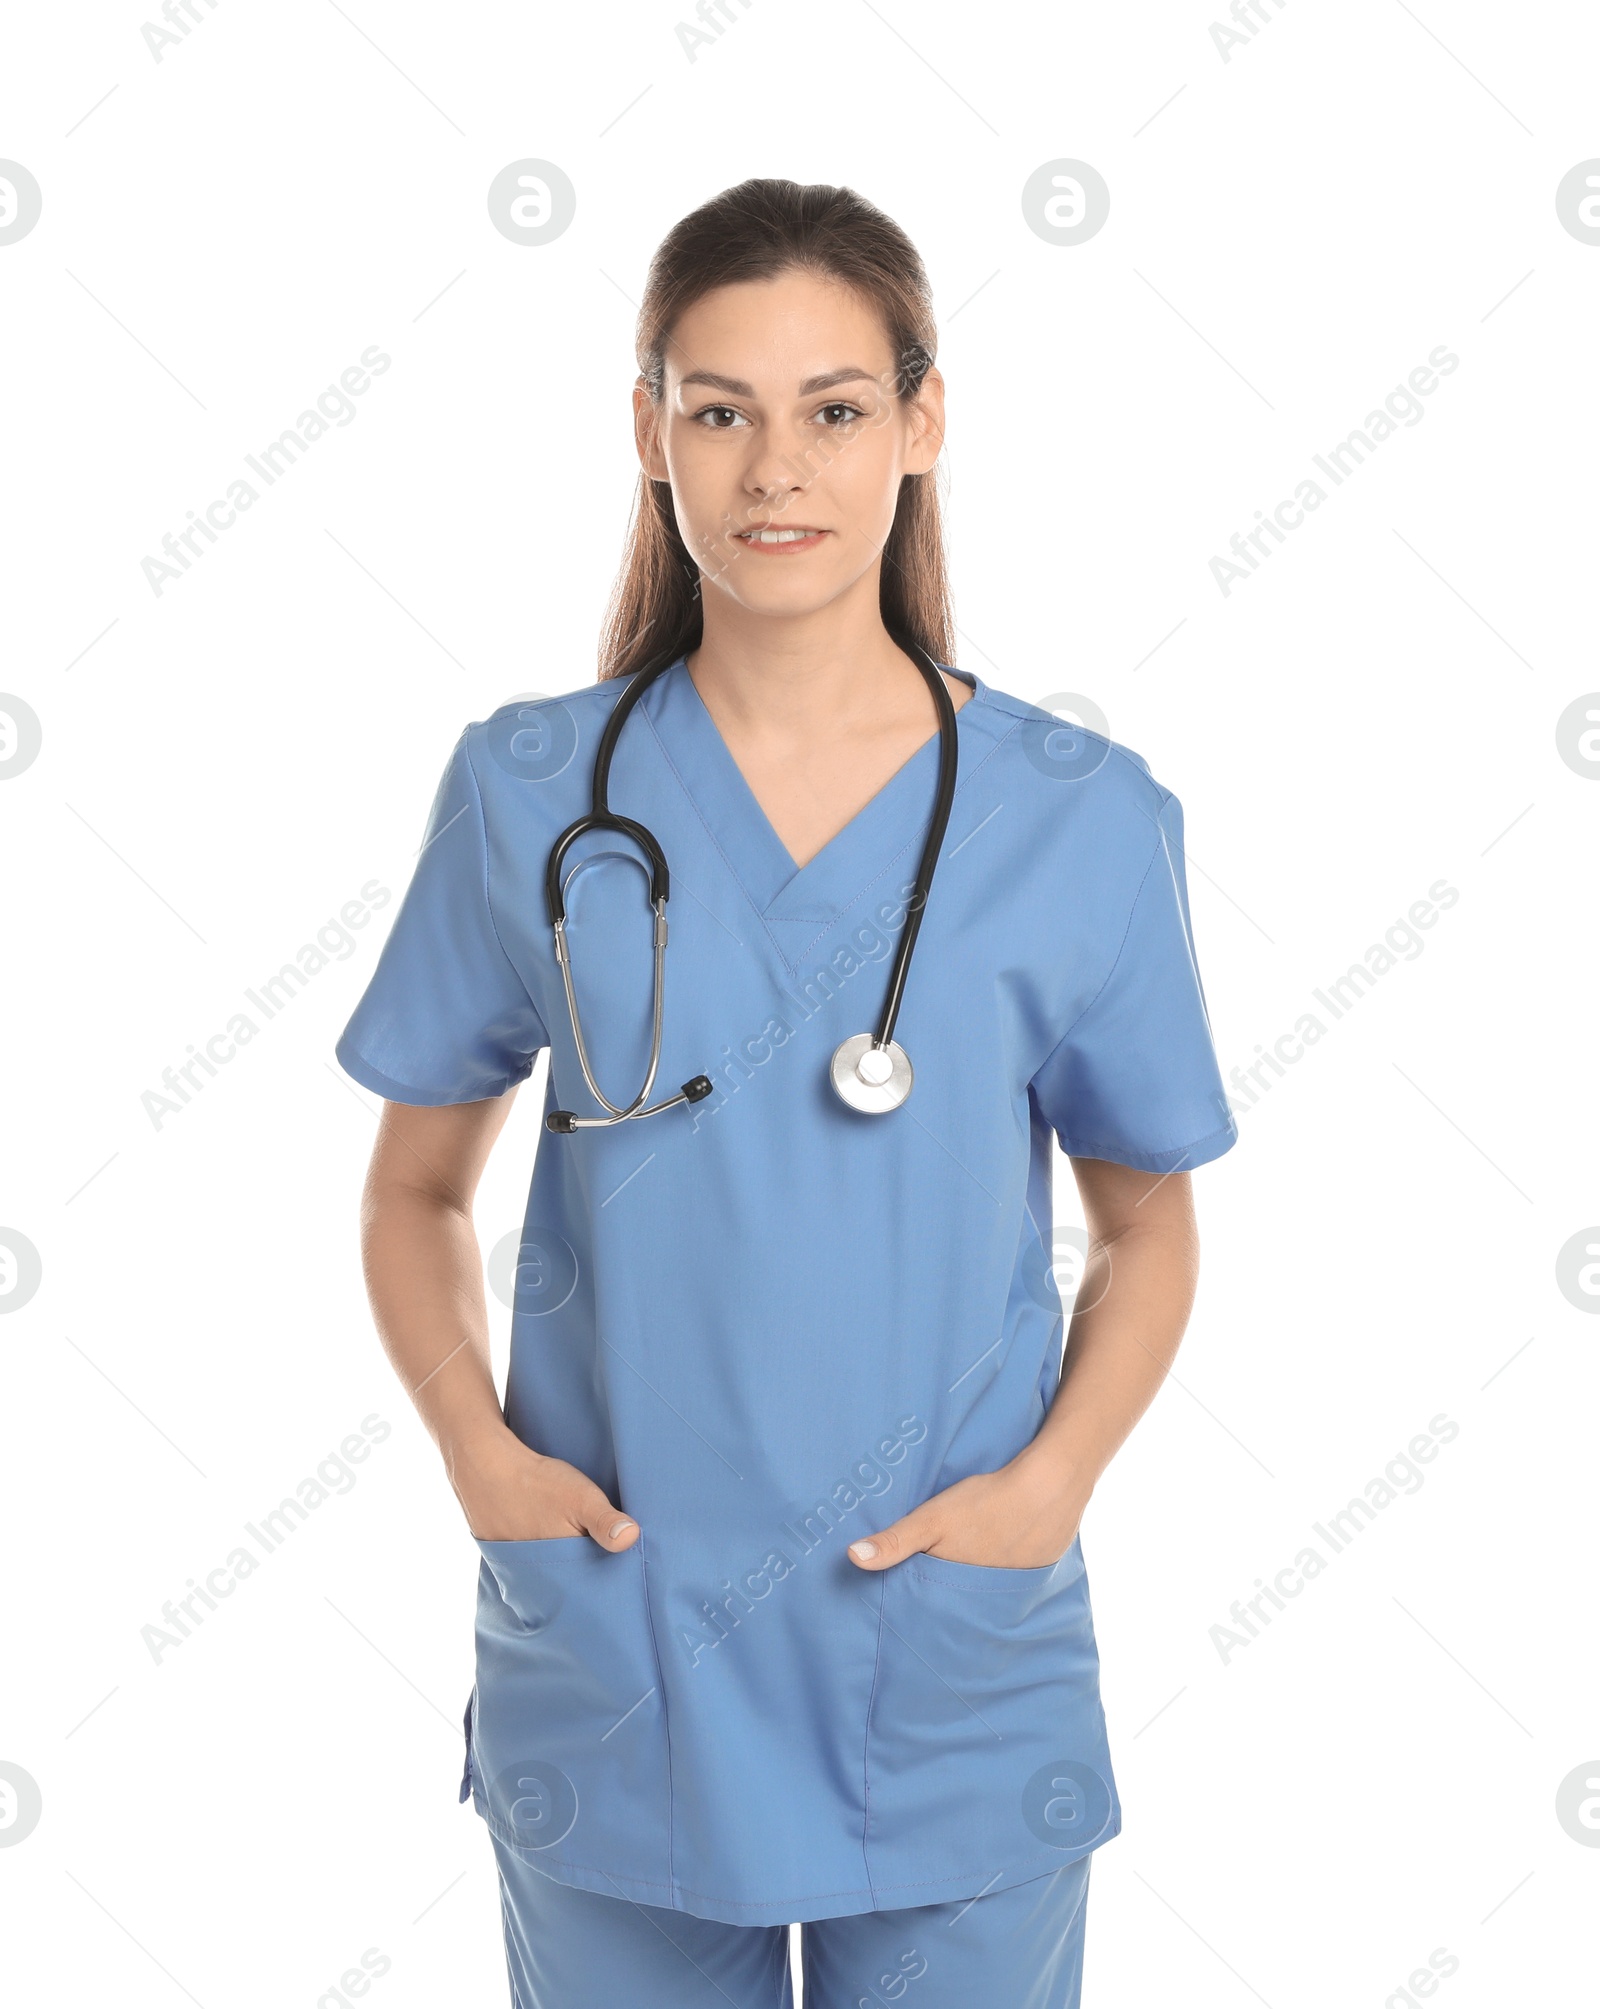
(976,1576)
(986,1743)
(568,1749)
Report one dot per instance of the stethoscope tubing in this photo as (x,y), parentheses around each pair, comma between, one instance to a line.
(564,964)
(601,817)
(944,797)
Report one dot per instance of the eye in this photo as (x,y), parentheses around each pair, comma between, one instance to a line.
(849,412)
(718,417)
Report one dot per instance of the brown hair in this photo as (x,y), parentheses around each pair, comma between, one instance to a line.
(755,231)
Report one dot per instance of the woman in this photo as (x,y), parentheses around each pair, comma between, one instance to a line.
(782,1613)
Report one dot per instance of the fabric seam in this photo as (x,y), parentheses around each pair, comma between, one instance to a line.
(856,898)
(1088,1148)
(866,1745)
(1133,908)
(666,1718)
(988,1589)
(804,1897)
(343,1053)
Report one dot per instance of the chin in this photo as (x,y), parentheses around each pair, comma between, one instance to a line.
(788,597)
(788,606)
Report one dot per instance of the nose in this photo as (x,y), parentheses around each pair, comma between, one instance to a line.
(782,466)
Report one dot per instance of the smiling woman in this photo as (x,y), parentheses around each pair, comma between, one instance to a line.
(840,403)
(911,1737)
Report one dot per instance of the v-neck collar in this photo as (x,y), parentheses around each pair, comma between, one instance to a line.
(883,840)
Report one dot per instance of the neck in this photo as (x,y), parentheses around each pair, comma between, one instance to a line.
(825,670)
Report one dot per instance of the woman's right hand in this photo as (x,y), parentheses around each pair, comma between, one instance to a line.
(512,1494)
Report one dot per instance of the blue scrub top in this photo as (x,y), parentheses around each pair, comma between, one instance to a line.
(767,1324)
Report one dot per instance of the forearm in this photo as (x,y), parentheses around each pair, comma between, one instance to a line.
(425,1284)
(1136,1295)
(1132,1306)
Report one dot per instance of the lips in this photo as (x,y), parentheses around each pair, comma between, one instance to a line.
(770,537)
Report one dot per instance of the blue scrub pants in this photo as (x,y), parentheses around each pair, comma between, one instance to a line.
(1020,1948)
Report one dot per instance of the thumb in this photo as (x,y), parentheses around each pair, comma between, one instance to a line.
(908,1536)
(607,1524)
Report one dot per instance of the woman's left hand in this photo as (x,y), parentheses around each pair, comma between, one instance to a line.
(1021,1517)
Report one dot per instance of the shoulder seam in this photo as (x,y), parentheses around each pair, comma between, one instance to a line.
(1133,908)
(599,686)
(1036,714)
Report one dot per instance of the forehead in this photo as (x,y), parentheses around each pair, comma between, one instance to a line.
(777,333)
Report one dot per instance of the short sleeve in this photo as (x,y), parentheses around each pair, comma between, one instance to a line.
(1134,1079)
(446,1018)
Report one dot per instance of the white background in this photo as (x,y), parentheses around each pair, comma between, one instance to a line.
(225,764)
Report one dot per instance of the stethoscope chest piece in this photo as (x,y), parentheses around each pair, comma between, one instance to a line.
(871,1078)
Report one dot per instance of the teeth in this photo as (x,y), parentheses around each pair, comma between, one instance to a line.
(773,536)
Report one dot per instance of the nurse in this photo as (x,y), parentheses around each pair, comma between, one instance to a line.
(782,1607)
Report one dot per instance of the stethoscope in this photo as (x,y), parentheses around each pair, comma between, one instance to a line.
(869,1071)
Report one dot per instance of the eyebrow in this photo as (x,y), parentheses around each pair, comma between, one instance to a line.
(737,387)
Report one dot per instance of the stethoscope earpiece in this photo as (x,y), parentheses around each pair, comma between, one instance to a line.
(869,1071)
(564,1121)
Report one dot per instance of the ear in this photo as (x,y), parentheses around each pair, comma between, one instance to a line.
(926,412)
(646,434)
